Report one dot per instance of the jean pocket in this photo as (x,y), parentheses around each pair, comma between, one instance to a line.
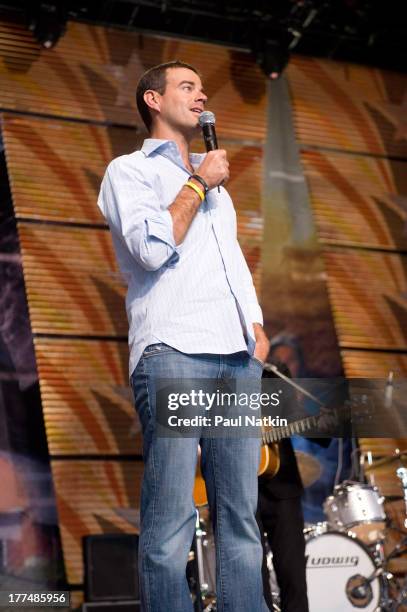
(156,349)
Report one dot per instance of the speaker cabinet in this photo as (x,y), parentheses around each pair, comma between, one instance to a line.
(111,571)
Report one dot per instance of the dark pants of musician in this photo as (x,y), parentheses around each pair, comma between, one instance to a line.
(282,520)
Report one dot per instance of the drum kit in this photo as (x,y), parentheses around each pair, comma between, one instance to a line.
(346,564)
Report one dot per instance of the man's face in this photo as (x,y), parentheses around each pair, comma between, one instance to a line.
(183,100)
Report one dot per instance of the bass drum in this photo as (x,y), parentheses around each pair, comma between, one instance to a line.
(337,568)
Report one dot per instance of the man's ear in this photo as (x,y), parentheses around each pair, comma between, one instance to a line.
(151,98)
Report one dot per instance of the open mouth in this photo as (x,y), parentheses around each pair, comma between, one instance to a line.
(198,111)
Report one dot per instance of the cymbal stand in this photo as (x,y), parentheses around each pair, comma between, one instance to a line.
(402,474)
(386,602)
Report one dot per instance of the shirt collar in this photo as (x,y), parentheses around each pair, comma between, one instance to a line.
(151,145)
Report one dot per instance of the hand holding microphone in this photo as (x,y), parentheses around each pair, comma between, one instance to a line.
(215,167)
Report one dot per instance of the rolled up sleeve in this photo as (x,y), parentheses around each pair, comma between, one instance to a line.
(132,210)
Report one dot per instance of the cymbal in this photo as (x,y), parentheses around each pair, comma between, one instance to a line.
(310,468)
(396,456)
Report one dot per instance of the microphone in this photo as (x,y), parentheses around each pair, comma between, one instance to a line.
(207,122)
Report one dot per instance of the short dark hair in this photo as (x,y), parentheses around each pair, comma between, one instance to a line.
(155,79)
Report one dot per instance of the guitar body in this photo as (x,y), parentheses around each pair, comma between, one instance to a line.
(269,460)
(200,496)
(268,467)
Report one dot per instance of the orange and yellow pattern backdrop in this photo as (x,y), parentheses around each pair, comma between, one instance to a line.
(66,113)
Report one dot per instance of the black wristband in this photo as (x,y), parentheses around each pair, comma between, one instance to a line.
(200,180)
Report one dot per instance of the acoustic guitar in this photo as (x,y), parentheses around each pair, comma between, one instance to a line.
(270,456)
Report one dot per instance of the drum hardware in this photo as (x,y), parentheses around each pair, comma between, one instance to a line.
(205,563)
(199,534)
(314,529)
(398,455)
(402,474)
(204,584)
(357,509)
(359,591)
(401,598)
(274,588)
(399,549)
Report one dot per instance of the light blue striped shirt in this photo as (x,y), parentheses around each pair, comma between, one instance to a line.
(197,297)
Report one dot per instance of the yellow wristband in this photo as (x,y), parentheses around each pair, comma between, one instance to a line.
(196,188)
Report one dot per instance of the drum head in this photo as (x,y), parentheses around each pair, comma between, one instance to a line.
(336,568)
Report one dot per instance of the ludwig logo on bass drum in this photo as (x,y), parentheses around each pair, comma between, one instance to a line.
(316,562)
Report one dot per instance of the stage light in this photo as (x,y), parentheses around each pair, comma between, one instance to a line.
(47,21)
(272,57)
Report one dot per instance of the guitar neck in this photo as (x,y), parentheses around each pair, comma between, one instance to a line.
(297,427)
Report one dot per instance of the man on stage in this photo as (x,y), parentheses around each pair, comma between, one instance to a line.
(192,312)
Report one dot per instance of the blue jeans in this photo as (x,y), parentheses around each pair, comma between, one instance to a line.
(168,513)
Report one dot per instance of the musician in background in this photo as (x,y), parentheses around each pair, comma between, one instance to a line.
(280,516)
(280,511)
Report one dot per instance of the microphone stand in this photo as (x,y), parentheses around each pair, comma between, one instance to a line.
(270,367)
(324,411)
